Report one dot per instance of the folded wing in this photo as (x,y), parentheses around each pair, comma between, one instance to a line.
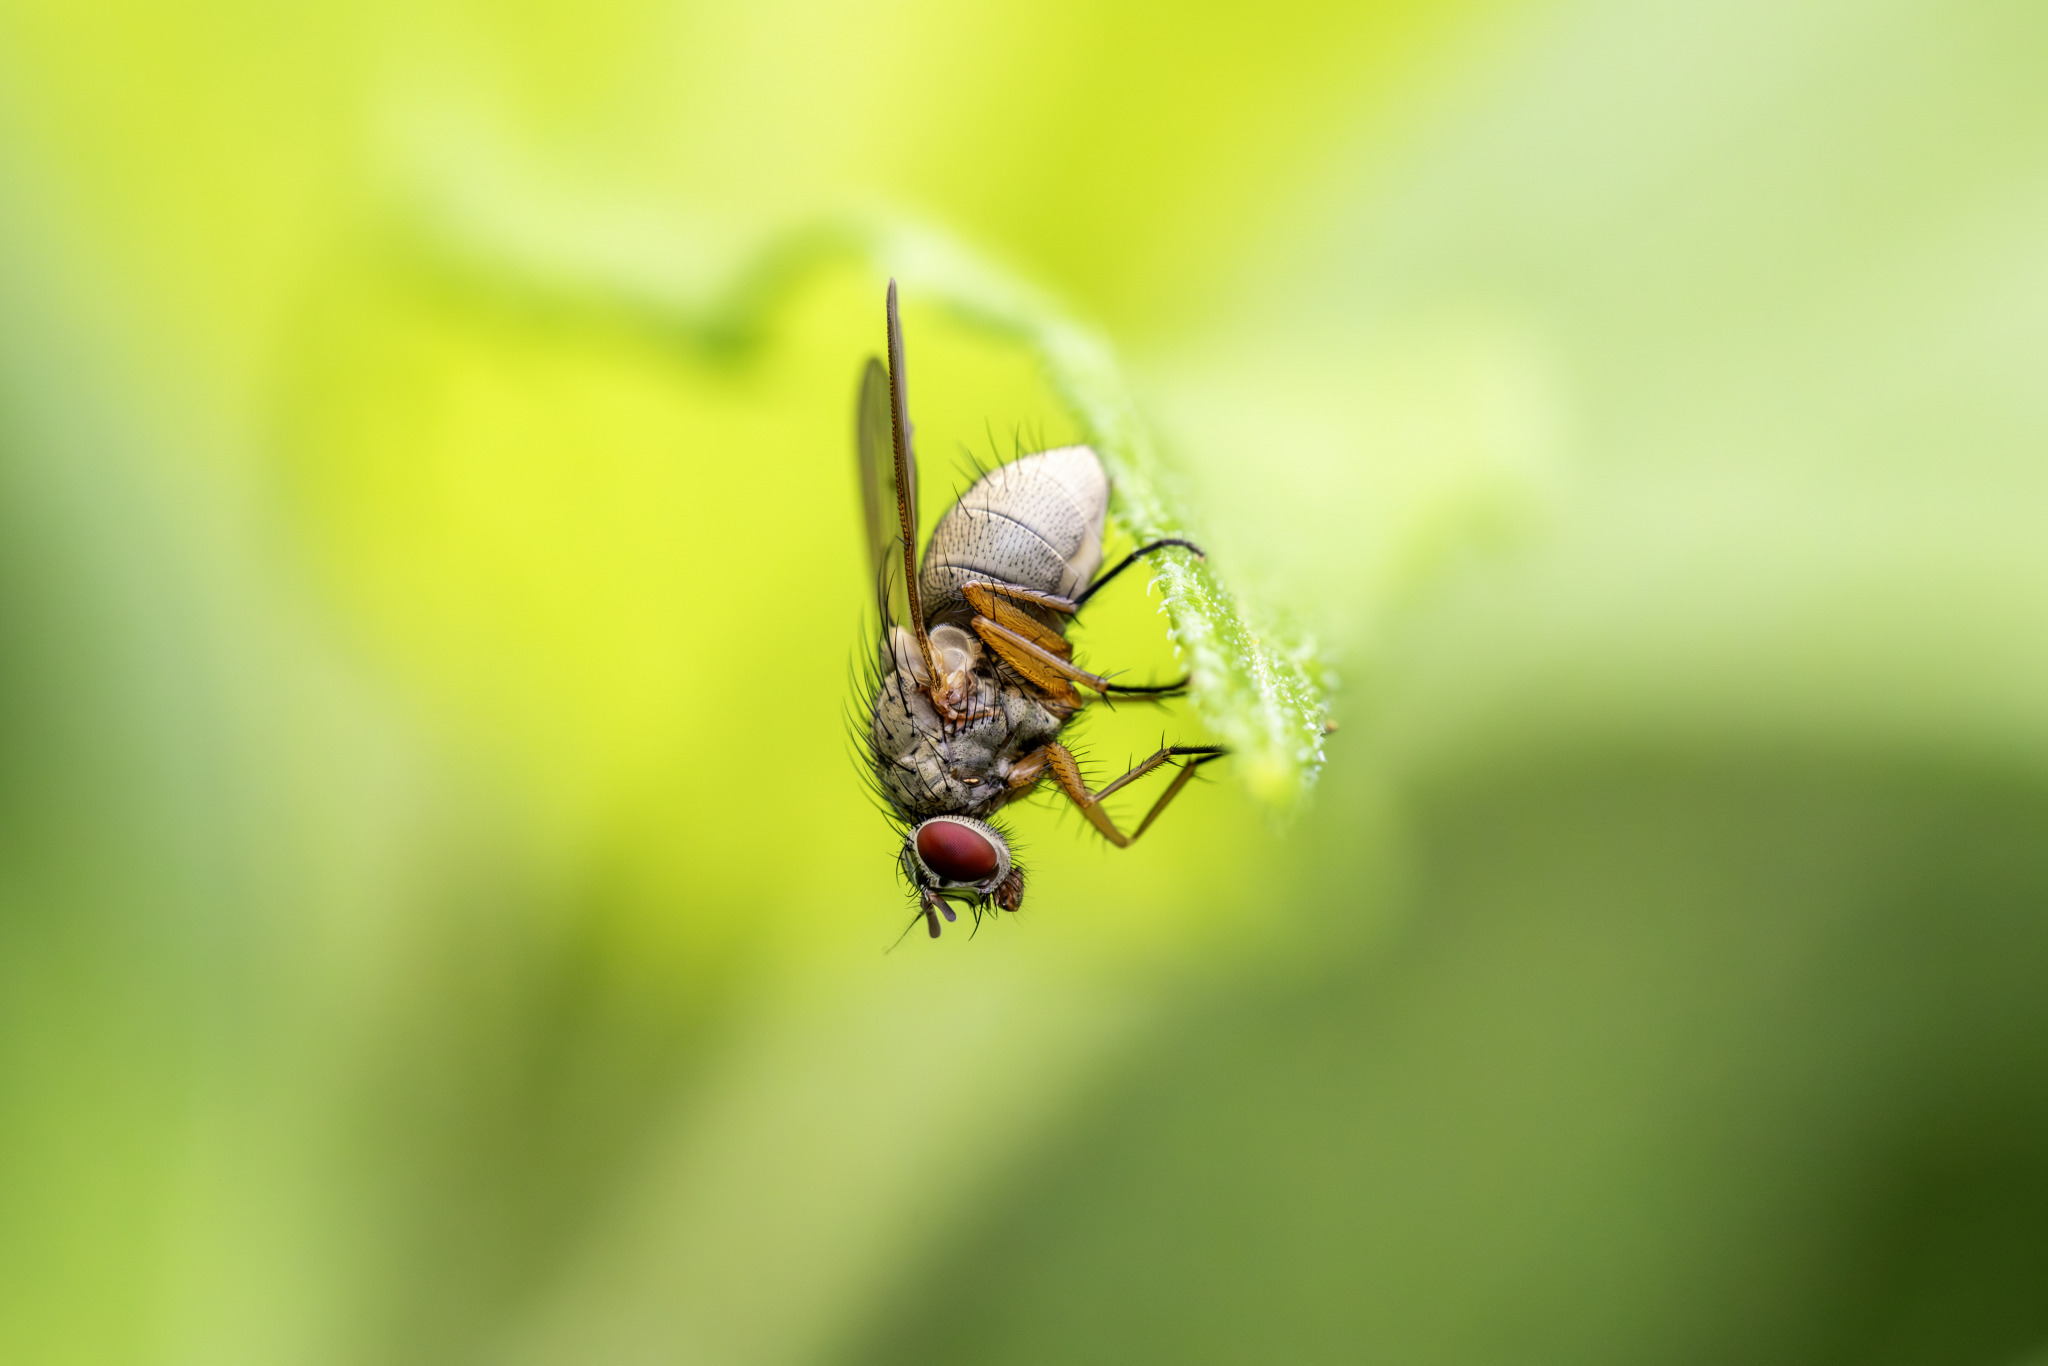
(880,494)
(888,488)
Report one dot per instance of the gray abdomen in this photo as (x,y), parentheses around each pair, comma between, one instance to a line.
(1035,522)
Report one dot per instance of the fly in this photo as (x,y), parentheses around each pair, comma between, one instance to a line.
(975,676)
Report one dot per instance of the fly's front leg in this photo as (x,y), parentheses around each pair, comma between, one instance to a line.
(1067,774)
(1025,773)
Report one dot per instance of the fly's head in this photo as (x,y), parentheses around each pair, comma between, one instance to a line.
(955,857)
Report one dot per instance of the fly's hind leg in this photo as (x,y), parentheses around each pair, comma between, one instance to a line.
(1136,555)
(1041,654)
(977,592)
(1161,690)
(1053,672)
(1069,606)
(1067,774)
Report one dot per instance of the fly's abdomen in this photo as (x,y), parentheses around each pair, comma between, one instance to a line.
(1035,522)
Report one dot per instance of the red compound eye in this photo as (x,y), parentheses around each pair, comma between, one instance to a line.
(957,852)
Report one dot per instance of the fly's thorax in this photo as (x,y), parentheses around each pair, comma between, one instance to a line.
(927,766)
(1036,522)
(956,651)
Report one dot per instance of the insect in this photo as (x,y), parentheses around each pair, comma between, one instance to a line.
(974,678)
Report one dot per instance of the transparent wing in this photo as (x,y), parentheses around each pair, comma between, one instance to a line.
(879,493)
(888,474)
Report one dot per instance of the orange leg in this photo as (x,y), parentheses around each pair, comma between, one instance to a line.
(1052,673)
(1067,774)
(1025,773)
(1037,651)
(980,594)
(1039,666)
(990,604)
(1068,606)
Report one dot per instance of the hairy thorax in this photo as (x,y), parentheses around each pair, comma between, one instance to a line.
(928,766)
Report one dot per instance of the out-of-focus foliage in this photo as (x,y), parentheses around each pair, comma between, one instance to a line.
(1261,692)
(439,920)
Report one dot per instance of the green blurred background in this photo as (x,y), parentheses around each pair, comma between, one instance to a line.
(439,920)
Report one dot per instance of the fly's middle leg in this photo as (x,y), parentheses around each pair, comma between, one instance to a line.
(1067,774)
(1037,651)
(1054,673)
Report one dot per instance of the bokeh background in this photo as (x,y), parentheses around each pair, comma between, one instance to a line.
(440,921)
